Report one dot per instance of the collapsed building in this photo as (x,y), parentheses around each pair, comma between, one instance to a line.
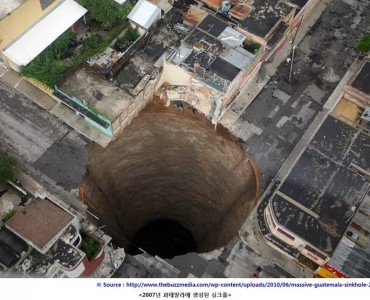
(227,49)
(206,57)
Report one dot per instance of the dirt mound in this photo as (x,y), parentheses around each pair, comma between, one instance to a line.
(171,165)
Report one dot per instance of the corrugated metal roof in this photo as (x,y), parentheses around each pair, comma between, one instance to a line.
(352,255)
(236,58)
(366,114)
(33,41)
(231,37)
(145,14)
(180,54)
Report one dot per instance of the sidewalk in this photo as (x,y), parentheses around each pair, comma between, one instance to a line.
(246,96)
(53,106)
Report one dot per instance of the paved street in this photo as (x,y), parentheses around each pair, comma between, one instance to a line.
(280,114)
(42,142)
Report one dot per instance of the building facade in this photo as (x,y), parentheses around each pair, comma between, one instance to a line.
(27,27)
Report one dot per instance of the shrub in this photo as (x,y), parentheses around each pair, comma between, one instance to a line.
(130,36)
(8,168)
(363,44)
(90,247)
(60,45)
(48,67)
(252,46)
(46,70)
(8,215)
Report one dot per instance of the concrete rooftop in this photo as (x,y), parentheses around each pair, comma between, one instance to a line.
(264,16)
(111,98)
(323,183)
(362,80)
(98,93)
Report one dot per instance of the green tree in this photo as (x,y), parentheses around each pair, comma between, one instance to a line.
(8,168)
(363,44)
(124,11)
(102,11)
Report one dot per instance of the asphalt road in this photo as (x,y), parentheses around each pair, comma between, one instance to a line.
(283,111)
(40,141)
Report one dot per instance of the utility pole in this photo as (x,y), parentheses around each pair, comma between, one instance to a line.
(293,50)
(291,63)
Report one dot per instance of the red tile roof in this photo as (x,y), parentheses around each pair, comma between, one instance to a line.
(240,12)
(216,4)
(39,222)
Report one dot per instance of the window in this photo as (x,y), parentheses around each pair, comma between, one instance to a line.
(45,3)
(286,234)
(314,251)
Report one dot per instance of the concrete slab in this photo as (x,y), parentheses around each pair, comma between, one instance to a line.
(100,94)
(11,77)
(315,93)
(245,98)
(91,132)
(36,95)
(245,130)
(284,97)
(78,123)
(3,70)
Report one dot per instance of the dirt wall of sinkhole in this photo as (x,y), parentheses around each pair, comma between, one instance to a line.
(171,165)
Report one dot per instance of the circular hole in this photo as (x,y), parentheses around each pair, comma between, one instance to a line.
(171,165)
(163,238)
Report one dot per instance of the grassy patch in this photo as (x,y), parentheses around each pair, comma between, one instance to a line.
(8,216)
(90,247)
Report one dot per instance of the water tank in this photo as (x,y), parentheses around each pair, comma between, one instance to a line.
(226,6)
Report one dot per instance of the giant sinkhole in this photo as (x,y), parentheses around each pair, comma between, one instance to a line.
(171,184)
